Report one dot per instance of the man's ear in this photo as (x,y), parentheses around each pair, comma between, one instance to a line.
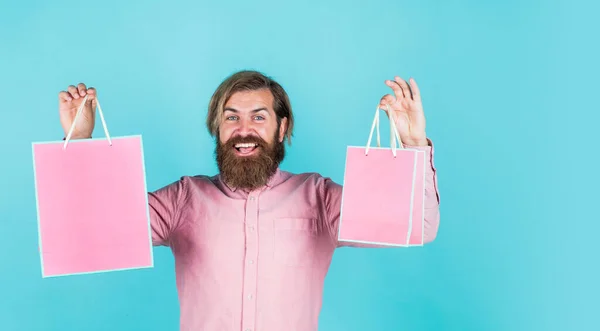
(283,128)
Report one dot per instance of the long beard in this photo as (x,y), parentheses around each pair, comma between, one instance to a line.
(249,172)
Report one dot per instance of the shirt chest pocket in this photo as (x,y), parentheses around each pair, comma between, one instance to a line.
(295,241)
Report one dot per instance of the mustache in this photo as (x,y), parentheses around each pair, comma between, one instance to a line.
(246,140)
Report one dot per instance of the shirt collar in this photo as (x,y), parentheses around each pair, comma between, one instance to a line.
(274,180)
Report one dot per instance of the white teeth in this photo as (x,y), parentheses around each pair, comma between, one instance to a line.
(245,145)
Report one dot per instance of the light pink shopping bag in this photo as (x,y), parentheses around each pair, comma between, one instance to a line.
(418,221)
(382,199)
(92,205)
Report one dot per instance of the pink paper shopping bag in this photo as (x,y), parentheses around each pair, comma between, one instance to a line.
(92,205)
(383,193)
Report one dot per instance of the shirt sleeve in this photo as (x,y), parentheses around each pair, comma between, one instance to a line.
(164,207)
(432,194)
(333,199)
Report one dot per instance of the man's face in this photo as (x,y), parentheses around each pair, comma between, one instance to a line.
(250,143)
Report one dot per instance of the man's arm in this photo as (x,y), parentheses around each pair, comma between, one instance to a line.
(432,195)
(333,199)
(164,206)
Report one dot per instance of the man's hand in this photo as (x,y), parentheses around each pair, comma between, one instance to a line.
(68,103)
(408,111)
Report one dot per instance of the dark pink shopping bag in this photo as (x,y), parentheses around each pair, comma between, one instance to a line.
(92,205)
(382,199)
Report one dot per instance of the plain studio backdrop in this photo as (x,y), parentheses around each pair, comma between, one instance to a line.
(507,88)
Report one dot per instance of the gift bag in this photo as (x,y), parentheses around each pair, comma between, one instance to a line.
(417,234)
(92,204)
(383,193)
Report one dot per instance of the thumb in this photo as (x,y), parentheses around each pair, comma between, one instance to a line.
(92,103)
(91,100)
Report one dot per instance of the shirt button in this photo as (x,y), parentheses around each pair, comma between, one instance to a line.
(251,261)
(251,228)
(250,296)
(251,198)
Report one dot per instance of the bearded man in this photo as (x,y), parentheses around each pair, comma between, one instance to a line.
(253,244)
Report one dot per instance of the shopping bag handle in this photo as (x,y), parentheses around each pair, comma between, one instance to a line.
(393,132)
(79,111)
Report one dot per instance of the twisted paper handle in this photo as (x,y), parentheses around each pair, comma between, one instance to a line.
(79,111)
(393,132)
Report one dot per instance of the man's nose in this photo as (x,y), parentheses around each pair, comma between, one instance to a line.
(245,127)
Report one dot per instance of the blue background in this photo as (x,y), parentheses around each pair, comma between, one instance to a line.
(508,89)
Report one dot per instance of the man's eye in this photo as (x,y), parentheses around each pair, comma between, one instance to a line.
(259,117)
(231,118)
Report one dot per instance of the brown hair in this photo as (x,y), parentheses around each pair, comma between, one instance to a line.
(249,80)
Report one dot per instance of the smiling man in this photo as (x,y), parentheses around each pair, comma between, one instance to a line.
(253,244)
(250,131)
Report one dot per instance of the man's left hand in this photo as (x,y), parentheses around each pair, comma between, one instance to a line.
(408,111)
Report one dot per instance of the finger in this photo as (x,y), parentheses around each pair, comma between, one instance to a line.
(91,93)
(404,86)
(396,88)
(81,89)
(64,96)
(386,101)
(416,93)
(74,92)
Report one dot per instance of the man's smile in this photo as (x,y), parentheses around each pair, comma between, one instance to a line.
(246,149)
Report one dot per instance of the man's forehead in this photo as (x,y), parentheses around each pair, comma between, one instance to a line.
(250,100)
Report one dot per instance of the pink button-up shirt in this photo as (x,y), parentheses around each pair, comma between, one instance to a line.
(256,260)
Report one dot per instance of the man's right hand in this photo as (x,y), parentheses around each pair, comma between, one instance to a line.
(68,103)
